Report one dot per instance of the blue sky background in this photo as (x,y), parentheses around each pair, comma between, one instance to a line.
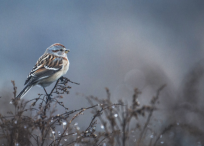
(116,44)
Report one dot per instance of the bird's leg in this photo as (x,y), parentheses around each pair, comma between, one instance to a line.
(48,95)
(45,91)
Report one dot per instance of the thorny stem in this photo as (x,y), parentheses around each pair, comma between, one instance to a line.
(150,114)
(164,131)
(20,108)
(127,114)
(48,101)
(101,141)
(49,97)
(124,116)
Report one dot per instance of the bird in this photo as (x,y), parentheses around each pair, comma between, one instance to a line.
(52,65)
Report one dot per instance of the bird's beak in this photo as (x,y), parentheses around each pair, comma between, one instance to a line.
(66,51)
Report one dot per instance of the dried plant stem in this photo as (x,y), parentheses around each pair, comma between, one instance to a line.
(150,114)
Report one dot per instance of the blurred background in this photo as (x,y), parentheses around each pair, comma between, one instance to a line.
(116,44)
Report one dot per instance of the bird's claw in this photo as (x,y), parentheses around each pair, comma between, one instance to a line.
(61,78)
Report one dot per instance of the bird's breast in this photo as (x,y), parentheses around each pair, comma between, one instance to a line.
(47,81)
(65,66)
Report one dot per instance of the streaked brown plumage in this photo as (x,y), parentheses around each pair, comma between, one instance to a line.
(50,67)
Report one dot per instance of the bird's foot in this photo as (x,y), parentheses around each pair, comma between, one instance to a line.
(61,78)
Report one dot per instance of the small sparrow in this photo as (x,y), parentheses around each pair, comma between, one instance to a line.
(52,65)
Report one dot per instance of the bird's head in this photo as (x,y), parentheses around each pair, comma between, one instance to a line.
(57,49)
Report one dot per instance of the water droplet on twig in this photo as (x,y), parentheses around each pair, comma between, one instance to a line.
(75,134)
(115,115)
(102,127)
(59,133)
(64,123)
(152,136)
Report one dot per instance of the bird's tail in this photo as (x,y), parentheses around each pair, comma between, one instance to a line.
(24,91)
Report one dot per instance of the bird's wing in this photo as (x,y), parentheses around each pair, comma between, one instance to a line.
(46,66)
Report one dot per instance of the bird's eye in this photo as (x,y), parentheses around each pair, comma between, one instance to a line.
(61,49)
(55,50)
